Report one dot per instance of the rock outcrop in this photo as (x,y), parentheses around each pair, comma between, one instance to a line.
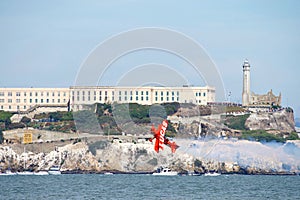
(280,121)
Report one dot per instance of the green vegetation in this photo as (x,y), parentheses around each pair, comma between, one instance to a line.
(293,136)
(56,116)
(236,122)
(5,119)
(261,136)
(229,109)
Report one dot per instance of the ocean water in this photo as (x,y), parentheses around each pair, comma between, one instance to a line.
(120,186)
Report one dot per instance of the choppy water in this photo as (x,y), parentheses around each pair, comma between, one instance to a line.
(96,186)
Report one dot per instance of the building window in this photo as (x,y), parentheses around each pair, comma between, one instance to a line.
(155,93)
(24,107)
(204,94)
(89,98)
(65,100)
(18,100)
(142,98)
(36,94)
(36,100)
(156,99)
(1,100)
(64,94)
(89,92)
(58,94)
(30,94)
(42,100)
(53,101)
(47,100)
(53,94)
(58,100)
(161,93)
(172,98)
(161,98)
(167,93)
(167,98)
(42,94)
(83,93)
(9,94)
(142,92)
(2,94)
(136,93)
(120,98)
(1,107)
(147,98)
(125,98)
(77,98)
(9,100)
(95,98)
(147,93)
(18,94)
(137,98)
(130,98)
(120,93)
(9,107)
(30,100)
(24,94)
(78,93)
(125,92)
(47,94)
(173,93)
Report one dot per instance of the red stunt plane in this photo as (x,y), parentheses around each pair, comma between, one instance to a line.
(160,139)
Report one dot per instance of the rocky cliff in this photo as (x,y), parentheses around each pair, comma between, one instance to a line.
(280,121)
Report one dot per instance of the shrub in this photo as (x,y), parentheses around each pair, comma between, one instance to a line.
(261,136)
(236,122)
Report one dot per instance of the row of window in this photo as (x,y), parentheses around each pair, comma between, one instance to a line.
(120,93)
(198,94)
(35,101)
(10,107)
(18,94)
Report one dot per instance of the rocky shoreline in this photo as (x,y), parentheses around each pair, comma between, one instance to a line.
(119,157)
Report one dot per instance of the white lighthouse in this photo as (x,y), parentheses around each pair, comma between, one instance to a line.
(246,83)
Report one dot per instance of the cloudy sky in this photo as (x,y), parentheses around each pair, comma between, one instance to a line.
(43,44)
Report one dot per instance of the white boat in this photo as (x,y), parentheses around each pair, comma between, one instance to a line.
(212,174)
(54,170)
(165,171)
(25,173)
(41,173)
(108,173)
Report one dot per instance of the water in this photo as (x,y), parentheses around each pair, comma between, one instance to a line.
(96,186)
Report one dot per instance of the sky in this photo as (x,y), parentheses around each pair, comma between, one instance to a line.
(44,43)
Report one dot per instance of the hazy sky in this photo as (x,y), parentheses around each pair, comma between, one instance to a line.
(44,43)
